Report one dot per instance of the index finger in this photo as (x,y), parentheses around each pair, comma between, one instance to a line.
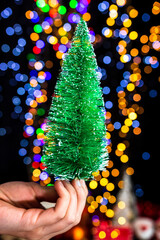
(55,214)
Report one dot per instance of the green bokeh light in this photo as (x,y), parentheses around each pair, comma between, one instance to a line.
(73,3)
(37,28)
(40,3)
(41,111)
(46,8)
(39,130)
(62,10)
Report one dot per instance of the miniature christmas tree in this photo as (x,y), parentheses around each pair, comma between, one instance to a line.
(75,143)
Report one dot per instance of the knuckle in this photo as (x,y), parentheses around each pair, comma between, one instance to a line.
(60,215)
(78,219)
(70,219)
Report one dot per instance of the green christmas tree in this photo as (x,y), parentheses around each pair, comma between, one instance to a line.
(75,143)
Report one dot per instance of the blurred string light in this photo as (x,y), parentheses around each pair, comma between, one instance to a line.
(15,49)
(119,26)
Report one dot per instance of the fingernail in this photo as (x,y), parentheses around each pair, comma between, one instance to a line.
(60,182)
(78,183)
(83,182)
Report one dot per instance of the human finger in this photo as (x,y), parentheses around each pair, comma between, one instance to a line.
(73,220)
(37,223)
(70,216)
(81,197)
(57,213)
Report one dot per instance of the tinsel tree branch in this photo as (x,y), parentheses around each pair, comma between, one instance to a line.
(75,143)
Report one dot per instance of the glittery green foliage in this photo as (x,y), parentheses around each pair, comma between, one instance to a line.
(75,143)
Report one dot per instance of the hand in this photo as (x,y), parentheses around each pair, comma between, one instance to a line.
(22,215)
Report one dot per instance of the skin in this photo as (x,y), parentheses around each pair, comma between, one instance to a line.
(22,215)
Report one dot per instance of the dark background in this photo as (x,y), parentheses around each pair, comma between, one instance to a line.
(11,164)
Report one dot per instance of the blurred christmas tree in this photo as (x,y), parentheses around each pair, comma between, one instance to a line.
(75,143)
(126,208)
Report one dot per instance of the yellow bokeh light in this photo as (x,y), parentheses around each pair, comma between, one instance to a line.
(110,213)
(121,146)
(110,21)
(121,3)
(132,115)
(59,54)
(133,35)
(124,58)
(53,3)
(114,234)
(133,13)
(108,135)
(33,104)
(53,40)
(121,220)
(90,209)
(102,234)
(95,174)
(108,33)
(113,14)
(64,40)
(103,182)
(130,87)
(156,8)
(36,172)
(128,122)
(62,31)
(93,184)
(113,7)
(121,204)
(124,129)
(124,158)
(127,22)
(110,187)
